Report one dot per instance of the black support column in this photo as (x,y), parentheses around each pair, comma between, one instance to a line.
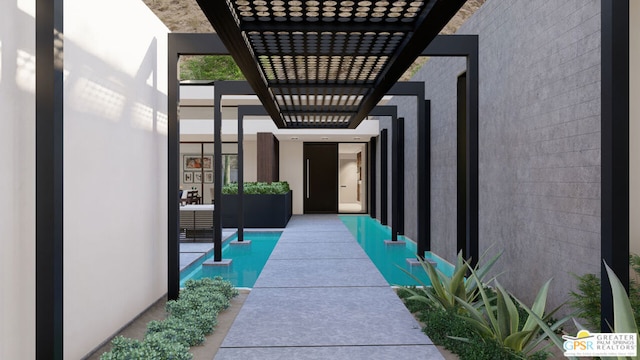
(423,155)
(372,176)
(615,150)
(467,46)
(179,44)
(384,175)
(394,180)
(244,110)
(217,172)
(424,243)
(49,179)
(392,112)
(399,159)
(223,88)
(397,178)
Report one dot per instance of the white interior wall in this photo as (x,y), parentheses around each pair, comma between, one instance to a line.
(291,170)
(115,146)
(364,170)
(634,126)
(347,179)
(17,179)
(250,160)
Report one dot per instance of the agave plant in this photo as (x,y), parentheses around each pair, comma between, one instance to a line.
(499,319)
(444,290)
(623,319)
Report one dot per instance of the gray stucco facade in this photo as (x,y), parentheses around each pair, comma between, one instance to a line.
(539,142)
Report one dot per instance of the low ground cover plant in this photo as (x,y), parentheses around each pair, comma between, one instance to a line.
(190,319)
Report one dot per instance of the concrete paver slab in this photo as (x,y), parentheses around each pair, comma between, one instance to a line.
(355,316)
(414,352)
(320,273)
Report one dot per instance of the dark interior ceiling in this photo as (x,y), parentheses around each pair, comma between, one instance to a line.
(325,63)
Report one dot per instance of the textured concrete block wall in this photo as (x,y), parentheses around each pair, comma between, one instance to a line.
(539,139)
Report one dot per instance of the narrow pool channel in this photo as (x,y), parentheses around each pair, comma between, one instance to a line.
(248,260)
(389,260)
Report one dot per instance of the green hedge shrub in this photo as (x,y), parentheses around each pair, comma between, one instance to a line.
(276,187)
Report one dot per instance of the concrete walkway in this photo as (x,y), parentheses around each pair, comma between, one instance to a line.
(320,297)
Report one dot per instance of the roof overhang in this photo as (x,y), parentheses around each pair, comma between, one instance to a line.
(325,63)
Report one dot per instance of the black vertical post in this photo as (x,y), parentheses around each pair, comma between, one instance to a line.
(394,179)
(240,175)
(372,177)
(400,167)
(424,158)
(473,194)
(462,45)
(424,181)
(615,150)
(424,142)
(49,179)
(173,169)
(376,145)
(217,171)
(461,165)
(384,173)
(180,44)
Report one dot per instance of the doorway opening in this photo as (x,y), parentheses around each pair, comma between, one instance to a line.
(335,178)
(352,178)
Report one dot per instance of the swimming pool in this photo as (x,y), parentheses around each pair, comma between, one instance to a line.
(248,260)
(389,259)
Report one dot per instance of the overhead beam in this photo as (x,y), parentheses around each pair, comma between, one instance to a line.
(347,27)
(220,16)
(435,20)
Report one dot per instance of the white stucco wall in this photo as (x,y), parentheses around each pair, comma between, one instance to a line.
(634,126)
(115,168)
(250,160)
(291,170)
(17,179)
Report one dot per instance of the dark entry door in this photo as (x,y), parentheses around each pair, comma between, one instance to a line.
(320,177)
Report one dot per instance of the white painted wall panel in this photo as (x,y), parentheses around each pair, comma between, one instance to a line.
(291,170)
(115,165)
(17,179)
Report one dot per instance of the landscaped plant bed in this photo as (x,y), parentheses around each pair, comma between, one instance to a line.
(481,320)
(189,319)
(266,205)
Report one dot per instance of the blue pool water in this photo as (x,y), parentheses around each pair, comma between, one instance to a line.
(248,260)
(389,260)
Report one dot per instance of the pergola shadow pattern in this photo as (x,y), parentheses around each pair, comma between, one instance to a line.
(326,63)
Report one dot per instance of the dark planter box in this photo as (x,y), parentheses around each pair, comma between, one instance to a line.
(260,211)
